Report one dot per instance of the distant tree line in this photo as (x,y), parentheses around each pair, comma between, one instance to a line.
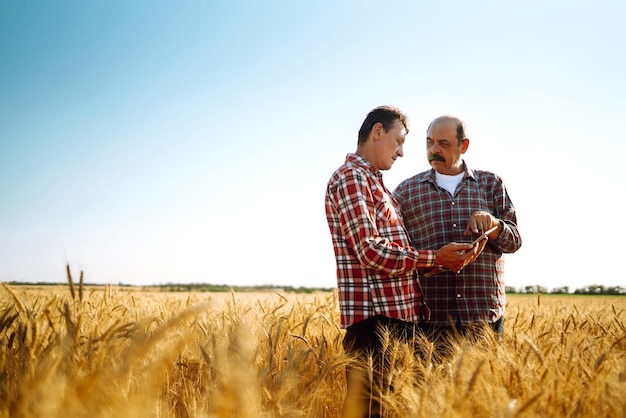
(594,289)
(196,287)
(202,287)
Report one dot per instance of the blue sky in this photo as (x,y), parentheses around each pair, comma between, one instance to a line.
(149,142)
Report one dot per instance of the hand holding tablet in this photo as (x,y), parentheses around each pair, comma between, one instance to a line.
(484,235)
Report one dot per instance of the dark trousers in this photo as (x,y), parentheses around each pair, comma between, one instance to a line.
(366,342)
(466,331)
(445,337)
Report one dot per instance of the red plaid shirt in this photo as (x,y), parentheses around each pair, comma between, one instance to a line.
(434,218)
(375,262)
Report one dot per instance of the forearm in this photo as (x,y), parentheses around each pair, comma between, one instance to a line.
(379,253)
(509,239)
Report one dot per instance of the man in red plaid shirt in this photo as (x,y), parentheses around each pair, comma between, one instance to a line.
(378,287)
(452,202)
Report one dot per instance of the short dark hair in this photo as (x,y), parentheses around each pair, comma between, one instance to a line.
(460,131)
(387,116)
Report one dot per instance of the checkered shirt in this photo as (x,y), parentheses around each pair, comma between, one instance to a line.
(434,218)
(376,266)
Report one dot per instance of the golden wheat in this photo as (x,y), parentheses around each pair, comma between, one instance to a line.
(115,352)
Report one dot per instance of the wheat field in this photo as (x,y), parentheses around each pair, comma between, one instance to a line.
(122,352)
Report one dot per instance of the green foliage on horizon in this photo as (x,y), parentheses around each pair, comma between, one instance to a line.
(594,289)
(196,287)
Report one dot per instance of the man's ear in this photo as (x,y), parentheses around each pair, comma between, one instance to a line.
(377,130)
(465,145)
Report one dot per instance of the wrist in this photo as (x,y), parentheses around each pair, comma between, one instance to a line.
(435,259)
(497,232)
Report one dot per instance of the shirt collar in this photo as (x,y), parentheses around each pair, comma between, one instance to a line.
(362,162)
(469,173)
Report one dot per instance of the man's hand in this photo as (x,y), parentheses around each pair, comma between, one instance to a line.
(481,221)
(455,256)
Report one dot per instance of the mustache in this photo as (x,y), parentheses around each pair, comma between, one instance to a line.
(436,157)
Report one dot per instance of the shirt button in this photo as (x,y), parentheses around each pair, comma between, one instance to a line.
(453,225)
(453,203)
(458,295)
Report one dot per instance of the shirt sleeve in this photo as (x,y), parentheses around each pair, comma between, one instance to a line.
(356,207)
(509,240)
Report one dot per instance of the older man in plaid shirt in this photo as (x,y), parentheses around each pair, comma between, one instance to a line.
(452,202)
(378,287)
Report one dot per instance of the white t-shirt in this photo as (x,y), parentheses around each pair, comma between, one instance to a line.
(449,182)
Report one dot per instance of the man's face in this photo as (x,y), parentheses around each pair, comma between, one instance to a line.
(389,144)
(442,148)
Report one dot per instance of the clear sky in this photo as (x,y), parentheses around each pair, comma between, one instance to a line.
(153,142)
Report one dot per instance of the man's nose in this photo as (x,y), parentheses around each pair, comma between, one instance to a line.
(399,152)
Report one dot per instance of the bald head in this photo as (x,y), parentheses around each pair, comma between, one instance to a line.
(453,121)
